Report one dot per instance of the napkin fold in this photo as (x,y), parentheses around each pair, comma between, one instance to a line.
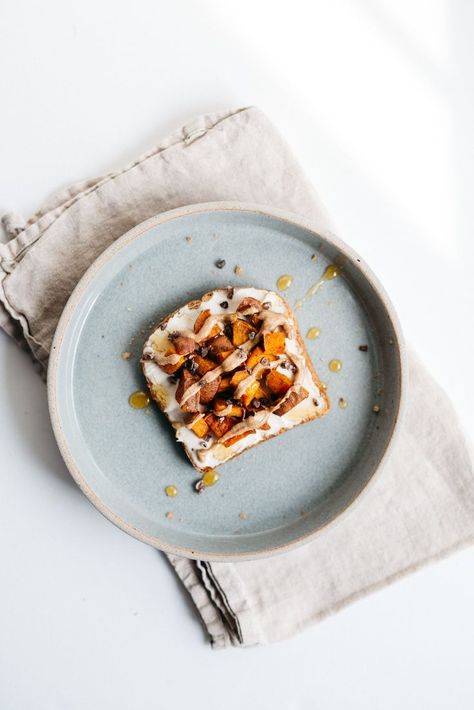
(420,505)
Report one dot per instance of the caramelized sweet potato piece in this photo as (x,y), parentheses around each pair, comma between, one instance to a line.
(295,397)
(201,319)
(274,343)
(221,405)
(203,365)
(200,428)
(220,357)
(255,391)
(277,382)
(184,345)
(170,369)
(249,302)
(220,344)
(219,425)
(241,331)
(238,377)
(186,379)
(254,357)
(224,384)
(234,439)
(209,391)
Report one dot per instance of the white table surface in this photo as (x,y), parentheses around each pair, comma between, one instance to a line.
(376,100)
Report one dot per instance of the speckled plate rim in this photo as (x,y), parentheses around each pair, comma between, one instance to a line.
(81,289)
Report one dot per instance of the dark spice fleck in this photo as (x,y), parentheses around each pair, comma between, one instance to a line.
(172,379)
(266,305)
(316,403)
(173,335)
(203,350)
(230,293)
(228,330)
(191,365)
(162,326)
(363,348)
(204,444)
(252,335)
(224,304)
(220,263)
(265,402)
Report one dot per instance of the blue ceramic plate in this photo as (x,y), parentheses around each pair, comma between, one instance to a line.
(279,493)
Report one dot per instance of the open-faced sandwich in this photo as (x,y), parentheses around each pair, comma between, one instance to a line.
(229,371)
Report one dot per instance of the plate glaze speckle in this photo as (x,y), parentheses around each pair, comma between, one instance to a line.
(288,488)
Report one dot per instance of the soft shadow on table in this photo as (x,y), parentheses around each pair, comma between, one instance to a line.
(24,393)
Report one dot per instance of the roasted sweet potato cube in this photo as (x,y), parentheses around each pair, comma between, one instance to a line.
(295,397)
(219,425)
(220,357)
(224,384)
(234,439)
(277,382)
(254,357)
(251,393)
(170,369)
(220,405)
(249,302)
(220,344)
(200,428)
(274,343)
(209,391)
(186,380)
(241,331)
(237,377)
(184,345)
(203,365)
(201,319)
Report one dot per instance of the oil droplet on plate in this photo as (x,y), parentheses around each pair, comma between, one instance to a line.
(171,491)
(313,333)
(342,403)
(284,282)
(210,478)
(331,272)
(335,365)
(139,400)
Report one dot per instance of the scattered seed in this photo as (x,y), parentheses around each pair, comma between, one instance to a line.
(189,238)
(126,355)
(376,408)
(342,403)
(169,515)
(266,305)
(314,257)
(363,348)
(220,263)
(265,361)
(230,293)
(242,515)
(224,305)
(252,335)
(237,269)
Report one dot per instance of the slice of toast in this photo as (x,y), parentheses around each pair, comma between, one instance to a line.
(229,371)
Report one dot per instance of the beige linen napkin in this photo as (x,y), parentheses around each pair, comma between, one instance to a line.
(421,504)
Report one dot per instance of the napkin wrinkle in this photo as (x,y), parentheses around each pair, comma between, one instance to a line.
(419,506)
